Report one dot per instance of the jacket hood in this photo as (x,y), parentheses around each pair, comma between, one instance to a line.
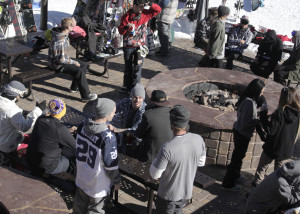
(56,33)
(290,172)
(290,114)
(91,127)
(271,34)
(6,104)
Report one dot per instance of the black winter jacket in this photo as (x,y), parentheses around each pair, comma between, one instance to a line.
(281,132)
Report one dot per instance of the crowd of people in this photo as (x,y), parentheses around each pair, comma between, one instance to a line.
(154,131)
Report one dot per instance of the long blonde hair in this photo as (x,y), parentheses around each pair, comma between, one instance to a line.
(289,97)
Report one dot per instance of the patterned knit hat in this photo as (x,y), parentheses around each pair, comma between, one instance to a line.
(57,108)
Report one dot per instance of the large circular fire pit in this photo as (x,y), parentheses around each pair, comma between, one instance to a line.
(215,126)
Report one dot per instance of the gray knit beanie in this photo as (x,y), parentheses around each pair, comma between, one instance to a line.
(179,116)
(104,107)
(14,89)
(138,91)
(223,10)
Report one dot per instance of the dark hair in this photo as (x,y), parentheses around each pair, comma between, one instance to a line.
(138,2)
(289,97)
(213,11)
(252,91)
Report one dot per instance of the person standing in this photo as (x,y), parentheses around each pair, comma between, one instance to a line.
(60,61)
(216,42)
(155,128)
(164,22)
(12,121)
(97,160)
(243,130)
(133,27)
(239,39)
(281,133)
(176,164)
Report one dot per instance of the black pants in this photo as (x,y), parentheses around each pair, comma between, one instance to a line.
(79,78)
(133,67)
(281,76)
(260,70)
(234,168)
(231,56)
(215,63)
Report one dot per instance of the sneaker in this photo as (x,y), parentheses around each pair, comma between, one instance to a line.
(74,90)
(90,97)
(235,188)
(159,53)
(240,179)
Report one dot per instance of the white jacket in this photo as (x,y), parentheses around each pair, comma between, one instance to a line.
(13,123)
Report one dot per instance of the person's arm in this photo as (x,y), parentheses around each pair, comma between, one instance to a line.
(249,118)
(289,194)
(123,28)
(163,3)
(110,159)
(214,42)
(61,53)
(202,159)
(66,138)
(160,163)
(24,124)
(154,10)
(247,39)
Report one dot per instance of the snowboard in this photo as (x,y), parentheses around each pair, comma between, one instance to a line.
(16,18)
(28,18)
(238,6)
(256,4)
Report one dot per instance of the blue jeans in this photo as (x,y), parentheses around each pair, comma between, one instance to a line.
(133,67)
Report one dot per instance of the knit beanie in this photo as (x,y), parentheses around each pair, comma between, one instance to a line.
(138,91)
(138,2)
(179,116)
(223,10)
(57,108)
(104,107)
(14,89)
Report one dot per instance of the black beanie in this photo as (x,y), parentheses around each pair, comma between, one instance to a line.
(223,10)
(138,2)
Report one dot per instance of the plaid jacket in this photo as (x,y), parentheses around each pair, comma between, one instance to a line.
(123,118)
(59,47)
(236,35)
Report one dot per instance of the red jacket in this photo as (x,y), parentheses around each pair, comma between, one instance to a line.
(139,37)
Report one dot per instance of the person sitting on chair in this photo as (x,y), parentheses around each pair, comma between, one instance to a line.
(12,120)
(239,39)
(268,55)
(60,61)
(290,69)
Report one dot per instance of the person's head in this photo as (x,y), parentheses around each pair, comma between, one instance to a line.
(296,38)
(244,22)
(271,35)
(159,98)
(289,97)
(104,108)
(57,108)
(14,91)
(137,96)
(212,12)
(223,12)
(179,118)
(253,90)
(138,6)
(67,24)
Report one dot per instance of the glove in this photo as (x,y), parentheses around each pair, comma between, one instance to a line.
(41,105)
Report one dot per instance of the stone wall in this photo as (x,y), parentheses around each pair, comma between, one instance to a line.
(219,146)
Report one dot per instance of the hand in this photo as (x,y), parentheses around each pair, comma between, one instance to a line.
(77,64)
(73,128)
(41,105)
(117,186)
(243,42)
(130,25)
(111,127)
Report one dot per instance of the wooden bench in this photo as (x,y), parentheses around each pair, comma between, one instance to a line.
(35,74)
